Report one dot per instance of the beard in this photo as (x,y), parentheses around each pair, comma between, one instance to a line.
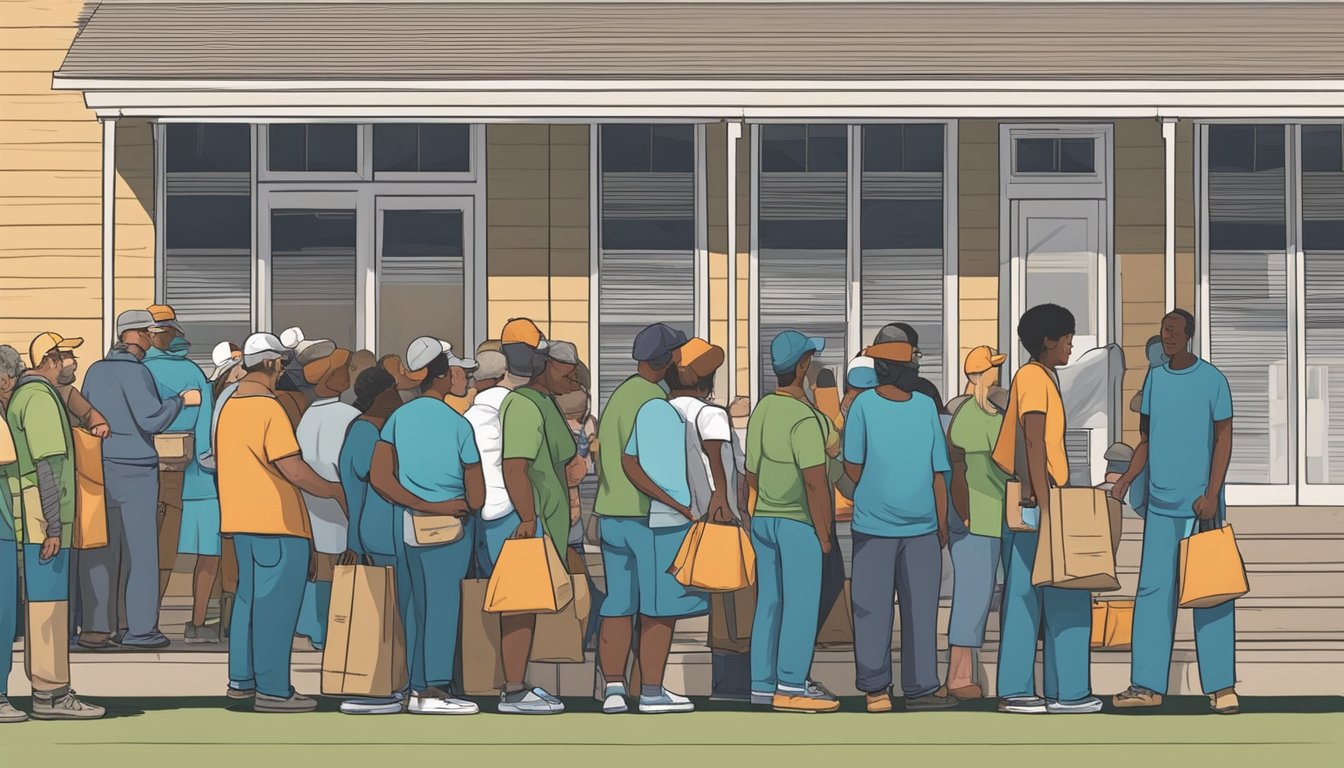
(66,376)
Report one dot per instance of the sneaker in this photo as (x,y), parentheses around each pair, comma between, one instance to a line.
(534,701)
(759,699)
(613,699)
(665,703)
(1023,705)
(878,701)
(1225,702)
(930,702)
(967,692)
(1085,706)
(809,700)
(1135,697)
(296,702)
(392,705)
(64,706)
(152,644)
(239,694)
(436,702)
(96,641)
(205,633)
(8,714)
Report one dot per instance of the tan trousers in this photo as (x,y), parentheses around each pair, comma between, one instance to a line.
(169,523)
(46,645)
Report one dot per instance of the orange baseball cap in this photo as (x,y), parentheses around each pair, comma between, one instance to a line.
(981,359)
(891,351)
(45,342)
(164,315)
(700,357)
(319,369)
(520,330)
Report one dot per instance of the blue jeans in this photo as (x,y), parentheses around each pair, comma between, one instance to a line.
(1067,629)
(975,567)
(9,608)
(434,607)
(788,591)
(313,612)
(1155,614)
(272,572)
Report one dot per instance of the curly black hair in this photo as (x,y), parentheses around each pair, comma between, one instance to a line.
(1041,322)
(371,383)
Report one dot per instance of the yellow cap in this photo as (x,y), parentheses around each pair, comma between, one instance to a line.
(520,330)
(162,312)
(981,359)
(699,357)
(45,342)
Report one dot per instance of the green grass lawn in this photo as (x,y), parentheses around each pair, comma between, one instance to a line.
(1275,733)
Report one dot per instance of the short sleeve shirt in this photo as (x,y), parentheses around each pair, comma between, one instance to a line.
(1182,406)
(523,421)
(372,522)
(706,423)
(616,495)
(41,430)
(253,433)
(900,445)
(975,433)
(8,461)
(434,445)
(1033,390)
(784,437)
(659,443)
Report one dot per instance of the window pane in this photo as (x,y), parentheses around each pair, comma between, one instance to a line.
(673,148)
(208,222)
(394,147)
(882,148)
(1231,148)
(827,148)
(1036,156)
(1077,156)
(445,148)
(626,148)
(924,148)
(783,148)
(212,294)
(287,147)
(1268,147)
(902,224)
(209,147)
(1322,148)
(1246,208)
(313,273)
(1323,302)
(333,147)
(1061,268)
(421,278)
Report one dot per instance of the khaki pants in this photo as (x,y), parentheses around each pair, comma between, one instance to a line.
(46,645)
(169,517)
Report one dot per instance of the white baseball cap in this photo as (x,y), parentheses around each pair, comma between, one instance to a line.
(861,373)
(290,337)
(224,356)
(423,350)
(262,346)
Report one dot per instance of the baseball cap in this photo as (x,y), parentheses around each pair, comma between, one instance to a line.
(490,364)
(311,351)
(700,358)
(45,342)
(137,320)
(860,374)
(422,351)
(657,341)
(404,378)
(563,352)
(981,359)
(263,346)
(225,355)
(489,345)
(290,337)
(165,316)
(790,346)
(896,332)
(316,370)
(891,351)
(520,330)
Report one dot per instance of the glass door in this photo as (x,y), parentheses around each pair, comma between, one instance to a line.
(423,246)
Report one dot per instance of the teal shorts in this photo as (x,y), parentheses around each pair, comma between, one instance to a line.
(490,538)
(200,528)
(635,559)
(46,581)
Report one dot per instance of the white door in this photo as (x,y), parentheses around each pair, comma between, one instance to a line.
(423,247)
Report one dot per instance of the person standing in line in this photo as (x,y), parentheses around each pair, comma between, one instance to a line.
(1030,447)
(790,526)
(262,478)
(188,501)
(426,463)
(375,530)
(900,529)
(42,482)
(228,370)
(123,390)
(321,432)
(11,368)
(903,332)
(979,490)
(360,361)
(710,464)
(1186,425)
(536,449)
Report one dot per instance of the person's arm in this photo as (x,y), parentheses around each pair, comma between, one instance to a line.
(1206,506)
(961,490)
(294,469)
(855,443)
(940,506)
(1033,430)
(820,503)
(645,485)
(49,492)
(353,455)
(1143,404)
(383,477)
(719,511)
(204,418)
(519,488)
(85,413)
(153,414)
(474,479)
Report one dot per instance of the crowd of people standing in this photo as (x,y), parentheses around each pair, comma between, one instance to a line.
(300,455)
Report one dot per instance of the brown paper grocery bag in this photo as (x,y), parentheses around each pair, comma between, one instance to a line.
(1212,571)
(528,578)
(1077,542)
(365,654)
(90,528)
(558,637)
(837,632)
(482,662)
(730,618)
(1112,624)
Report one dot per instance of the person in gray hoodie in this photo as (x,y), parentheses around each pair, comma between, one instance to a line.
(123,390)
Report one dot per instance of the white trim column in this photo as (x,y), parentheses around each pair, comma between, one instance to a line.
(1169,203)
(730,356)
(109,232)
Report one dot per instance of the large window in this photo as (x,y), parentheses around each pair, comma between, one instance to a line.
(1323,301)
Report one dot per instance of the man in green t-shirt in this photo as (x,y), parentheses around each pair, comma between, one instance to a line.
(790,530)
(45,469)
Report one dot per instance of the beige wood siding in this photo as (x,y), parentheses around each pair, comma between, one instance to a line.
(978,235)
(537,258)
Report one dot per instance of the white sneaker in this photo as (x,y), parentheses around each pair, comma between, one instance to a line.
(436,702)
(392,705)
(613,699)
(1086,706)
(535,701)
(665,703)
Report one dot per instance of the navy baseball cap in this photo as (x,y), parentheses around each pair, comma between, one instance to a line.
(789,347)
(657,341)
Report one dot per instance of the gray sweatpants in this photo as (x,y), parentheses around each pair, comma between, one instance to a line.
(883,569)
(131,557)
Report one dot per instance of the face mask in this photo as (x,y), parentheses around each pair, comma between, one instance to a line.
(179,344)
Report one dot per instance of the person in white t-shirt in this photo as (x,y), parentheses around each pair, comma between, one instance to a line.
(711,466)
(484,417)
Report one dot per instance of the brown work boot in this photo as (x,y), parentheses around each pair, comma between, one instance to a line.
(930,702)
(965,692)
(96,641)
(296,702)
(1225,702)
(879,701)
(1136,697)
(63,705)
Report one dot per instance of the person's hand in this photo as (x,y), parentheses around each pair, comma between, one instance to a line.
(1120,489)
(685,512)
(348,557)
(450,508)
(525,530)
(100,430)
(312,562)
(51,547)
(191,397)
(575,471)
(942,535)
(1206,507)
(826,545)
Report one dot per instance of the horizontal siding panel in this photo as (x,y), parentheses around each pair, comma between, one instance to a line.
(47,295)
(14,131)
(81,262)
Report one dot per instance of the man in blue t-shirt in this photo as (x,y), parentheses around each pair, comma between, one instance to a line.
(1186,425)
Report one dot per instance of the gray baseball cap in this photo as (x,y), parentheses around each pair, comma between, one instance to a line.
(136,320)
(490,365)
(563,352)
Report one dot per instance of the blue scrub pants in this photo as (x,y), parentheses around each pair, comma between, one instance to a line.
(788,591)
(1067,629)
(272,571)
(9,609)
(434,607)
(1155,615)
